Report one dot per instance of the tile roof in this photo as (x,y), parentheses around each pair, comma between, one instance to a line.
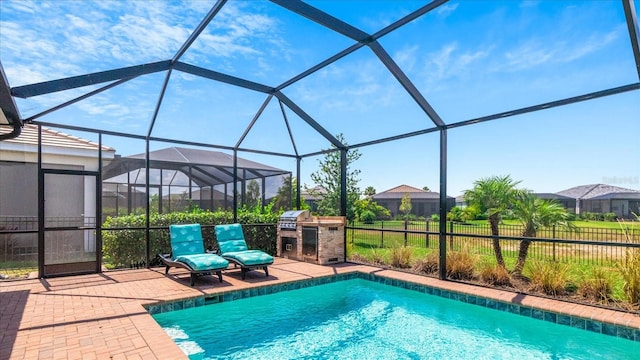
(403,189)
(553,196)
(415,193)
(600,191)
(50,137)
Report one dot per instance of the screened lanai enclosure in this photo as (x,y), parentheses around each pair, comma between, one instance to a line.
(181,178)
(131,108)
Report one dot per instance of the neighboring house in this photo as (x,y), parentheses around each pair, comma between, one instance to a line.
(461,202)
(568,202)
(423,203)
(599,198)
(312,196)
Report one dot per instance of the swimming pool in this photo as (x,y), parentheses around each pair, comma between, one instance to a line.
(361,319)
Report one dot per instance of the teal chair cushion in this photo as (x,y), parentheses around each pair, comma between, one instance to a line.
(230,238)
(250,257)
(186,240)
(203,262)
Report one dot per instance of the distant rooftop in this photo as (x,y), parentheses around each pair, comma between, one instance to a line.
(598,191)
(414,193)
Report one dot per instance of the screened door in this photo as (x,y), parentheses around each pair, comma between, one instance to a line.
(69,234)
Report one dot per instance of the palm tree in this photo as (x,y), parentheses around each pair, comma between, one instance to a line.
(369,191)
(535,213)
(493,196)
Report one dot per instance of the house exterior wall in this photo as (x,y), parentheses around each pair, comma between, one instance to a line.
(419,207)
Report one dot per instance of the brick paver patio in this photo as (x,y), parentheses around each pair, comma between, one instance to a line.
(101,316)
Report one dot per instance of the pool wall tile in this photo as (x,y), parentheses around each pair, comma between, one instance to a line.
(578,322)
(563,319)
(609,329)
(525,311)
(537,314)
(594,326)
(550,316)
(189,303)
(626,333)
(165,307)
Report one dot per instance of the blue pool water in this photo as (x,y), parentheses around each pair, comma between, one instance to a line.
(360,319)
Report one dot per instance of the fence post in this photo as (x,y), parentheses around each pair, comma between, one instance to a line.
(405,232)
(553,236)
(451,236)
(428,236)
(382,237)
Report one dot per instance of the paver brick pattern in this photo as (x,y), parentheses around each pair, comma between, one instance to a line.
(101,316)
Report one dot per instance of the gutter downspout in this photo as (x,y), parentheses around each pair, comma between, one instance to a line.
(17,130)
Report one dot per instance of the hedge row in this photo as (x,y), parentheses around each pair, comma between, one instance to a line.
(121,248)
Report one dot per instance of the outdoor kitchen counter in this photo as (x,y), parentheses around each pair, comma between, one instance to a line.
(324,221)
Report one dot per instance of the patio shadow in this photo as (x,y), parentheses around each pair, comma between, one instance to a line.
(12,305)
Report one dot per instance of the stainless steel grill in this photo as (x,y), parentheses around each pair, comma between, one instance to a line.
(289,219)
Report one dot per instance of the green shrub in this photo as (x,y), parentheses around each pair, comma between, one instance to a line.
(456,214)
(359,258)
(427,265)
(493,274)
(124,247)
(482,216)
(401,256)
(460,265)
(610,216)
(435,217)
(597,286)
(377,257)
(630,269)
(367,217)
(551,278)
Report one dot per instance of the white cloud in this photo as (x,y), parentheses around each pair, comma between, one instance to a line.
(449,62)
(536,52)
(406,57)
(446,10)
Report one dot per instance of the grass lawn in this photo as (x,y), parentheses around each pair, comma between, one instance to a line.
(579,224)
(577,272)
(18,269)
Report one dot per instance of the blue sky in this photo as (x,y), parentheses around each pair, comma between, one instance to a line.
(468,58)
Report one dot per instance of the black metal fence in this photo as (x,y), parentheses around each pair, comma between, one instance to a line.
(597,246)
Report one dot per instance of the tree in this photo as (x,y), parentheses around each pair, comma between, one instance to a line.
(405,205)
(369,191)
(426,188)
(493,196)
(368,210)
(253,195)
(535,213)
(328,178)
(285,199)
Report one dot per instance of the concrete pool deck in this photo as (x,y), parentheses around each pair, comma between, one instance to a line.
(102,316)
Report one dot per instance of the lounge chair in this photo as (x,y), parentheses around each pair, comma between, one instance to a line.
(187,251)
(232,247)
